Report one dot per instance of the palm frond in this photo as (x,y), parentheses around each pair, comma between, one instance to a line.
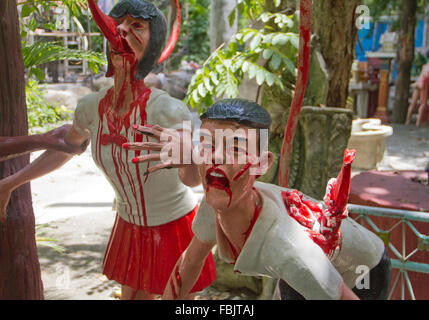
(46,51)
(50,243)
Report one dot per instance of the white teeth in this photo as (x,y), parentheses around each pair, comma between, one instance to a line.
(215,174)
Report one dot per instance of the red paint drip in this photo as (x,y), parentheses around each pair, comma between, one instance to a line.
(255,217)
(135,36)
(247,233)
(116,123)
(242,171)
(227,190)
(118,174)
(148,163)
(141,104)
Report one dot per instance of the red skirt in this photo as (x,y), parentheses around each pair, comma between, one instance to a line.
(143,257)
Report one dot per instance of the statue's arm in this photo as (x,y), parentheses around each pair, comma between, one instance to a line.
(47,162)
(12,147)
(187,270)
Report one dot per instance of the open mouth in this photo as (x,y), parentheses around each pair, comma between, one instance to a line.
(216,178)
(122,47)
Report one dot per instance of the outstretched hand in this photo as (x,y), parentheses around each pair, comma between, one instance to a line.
(54,140)
(170,148)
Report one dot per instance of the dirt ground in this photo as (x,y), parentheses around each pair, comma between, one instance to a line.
(74,205)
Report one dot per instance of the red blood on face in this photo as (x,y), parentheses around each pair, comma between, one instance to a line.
(242,171)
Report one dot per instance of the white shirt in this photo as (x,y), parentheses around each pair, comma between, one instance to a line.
(280,247)
(145,201)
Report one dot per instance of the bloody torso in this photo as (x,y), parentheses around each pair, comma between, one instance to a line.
(144,200)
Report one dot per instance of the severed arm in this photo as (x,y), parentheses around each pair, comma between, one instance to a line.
(187,270)
(46,163)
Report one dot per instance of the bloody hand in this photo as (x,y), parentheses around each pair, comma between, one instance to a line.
(173,147)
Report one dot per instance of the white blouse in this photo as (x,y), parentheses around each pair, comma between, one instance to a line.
(150,200)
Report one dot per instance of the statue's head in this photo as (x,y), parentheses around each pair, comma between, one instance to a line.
(234,150)
(144,12)
(135,29)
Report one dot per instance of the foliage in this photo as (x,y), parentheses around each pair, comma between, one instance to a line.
(76,7)
(391,8)
(42,52)
(225,69)
(35,14)
(41,240)
(39,110)
(194,40)
(248,10)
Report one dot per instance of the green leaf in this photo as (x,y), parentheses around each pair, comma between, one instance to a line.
(245,66)
(275,62)
(265,17)
(32,25)
(232,17)
(26,10)
(260,76)
(289,65)
(195,96)
(202,90)
(220,68)
(256,41)
(248,35)
(267,53)
(207,83)
(270,78)
(252,71)
(294,40)
(214,78)
(280,39)
(227,63)
(40,75)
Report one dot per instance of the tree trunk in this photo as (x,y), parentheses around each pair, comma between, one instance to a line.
(220,30)
(405,57)
(334,22)
(20,276)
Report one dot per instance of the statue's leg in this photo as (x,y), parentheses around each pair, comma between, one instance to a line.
(379,281)
(287,292)
(128,293)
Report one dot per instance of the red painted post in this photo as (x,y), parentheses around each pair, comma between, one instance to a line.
(174,33)
(300,87)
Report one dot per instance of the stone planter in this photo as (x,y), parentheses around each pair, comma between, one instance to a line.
(368,138)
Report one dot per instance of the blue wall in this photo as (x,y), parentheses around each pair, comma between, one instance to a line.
(368,42)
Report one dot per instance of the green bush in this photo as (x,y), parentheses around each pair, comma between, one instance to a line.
(40,111)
